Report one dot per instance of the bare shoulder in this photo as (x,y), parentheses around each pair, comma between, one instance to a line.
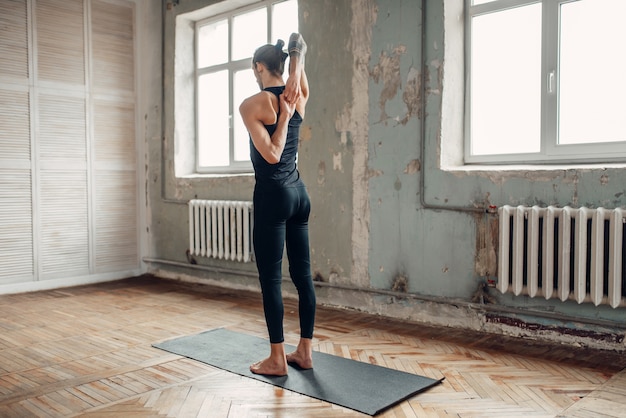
(251,102)
(260,107)
(258,102)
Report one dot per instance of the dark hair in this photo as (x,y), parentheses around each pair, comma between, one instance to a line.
(272,56)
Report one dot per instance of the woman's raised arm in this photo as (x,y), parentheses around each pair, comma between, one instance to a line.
(294,87)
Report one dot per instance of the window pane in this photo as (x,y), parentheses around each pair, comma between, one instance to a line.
(213,119)
(249,33)
(245,85)
(506,81)
(213,44)
(284,20)
(592,82)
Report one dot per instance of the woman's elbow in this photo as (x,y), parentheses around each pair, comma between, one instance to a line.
(272,158)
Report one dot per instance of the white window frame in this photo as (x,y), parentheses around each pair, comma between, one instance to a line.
(232,66)
(550,152)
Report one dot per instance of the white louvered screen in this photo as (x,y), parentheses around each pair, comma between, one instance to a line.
(63,214)
(16,223)
(114,124)
(116,220)
(60,41)
(68,174)
(113,46)
(64,236)
(115,184)
(114,127)
(62,140)
(16,240)
(14,126)
(14,39)
(62,130)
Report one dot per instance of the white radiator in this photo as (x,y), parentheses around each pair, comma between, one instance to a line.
(221,229)
(563,253)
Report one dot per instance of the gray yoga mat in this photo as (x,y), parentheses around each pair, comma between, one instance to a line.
(352,384)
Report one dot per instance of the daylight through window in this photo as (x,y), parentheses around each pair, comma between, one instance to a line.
(546,81)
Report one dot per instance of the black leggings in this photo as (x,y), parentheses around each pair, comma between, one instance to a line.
(281,216)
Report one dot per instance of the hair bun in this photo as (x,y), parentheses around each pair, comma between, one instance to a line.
(279,44)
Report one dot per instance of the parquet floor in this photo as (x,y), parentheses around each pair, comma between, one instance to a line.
(86,351)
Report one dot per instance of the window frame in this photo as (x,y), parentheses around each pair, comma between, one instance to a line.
(232,67)
(550,151)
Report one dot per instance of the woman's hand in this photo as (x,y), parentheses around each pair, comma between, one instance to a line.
(292,88)
(286,108)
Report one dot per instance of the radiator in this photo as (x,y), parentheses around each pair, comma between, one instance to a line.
(563,253)
(221,229)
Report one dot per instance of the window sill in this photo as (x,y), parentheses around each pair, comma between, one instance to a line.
(532,167)
(216,175)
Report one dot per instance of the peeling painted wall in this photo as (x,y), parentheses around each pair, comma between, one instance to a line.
(328,157)
(393,209)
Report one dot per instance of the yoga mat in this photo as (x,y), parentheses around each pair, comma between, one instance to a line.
(363,387)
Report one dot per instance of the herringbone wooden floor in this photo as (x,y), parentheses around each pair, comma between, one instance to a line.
(86,351)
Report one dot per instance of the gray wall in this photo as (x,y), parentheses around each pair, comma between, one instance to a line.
(398,226)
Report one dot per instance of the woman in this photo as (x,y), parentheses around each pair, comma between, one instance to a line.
(281,202)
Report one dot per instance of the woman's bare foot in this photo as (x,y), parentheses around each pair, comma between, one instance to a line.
(269,367)
(303,361)
(275,364)
(303,356)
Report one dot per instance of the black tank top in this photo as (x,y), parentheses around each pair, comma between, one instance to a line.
(284,173)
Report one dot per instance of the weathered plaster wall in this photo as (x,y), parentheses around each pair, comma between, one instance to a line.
(398,225)
(332,138)
(412,249)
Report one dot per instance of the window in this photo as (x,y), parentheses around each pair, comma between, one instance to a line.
(224,78)
(546,81)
